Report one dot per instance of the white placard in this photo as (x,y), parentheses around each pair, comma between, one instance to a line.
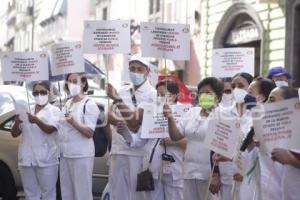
(179,111)
(107,37)
(170,41)
(279,125)
(27,66)
(229,61)
(223,137)
(67,58)
(21,108)
(155,125)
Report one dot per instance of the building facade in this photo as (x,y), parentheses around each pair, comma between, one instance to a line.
(292,39)
(244,23)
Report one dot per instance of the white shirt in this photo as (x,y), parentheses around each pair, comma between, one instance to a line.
(145,94)
(197,157)
(291,182)
(38,148)
(74,144)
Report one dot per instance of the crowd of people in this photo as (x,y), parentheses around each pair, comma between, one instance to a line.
(181,165)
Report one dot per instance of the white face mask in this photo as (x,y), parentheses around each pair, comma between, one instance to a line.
(74,89)
(227,100)
(41,99)
(137,78)
(281,83)
(239,95)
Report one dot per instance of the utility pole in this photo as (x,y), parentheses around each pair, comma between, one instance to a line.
(31,13)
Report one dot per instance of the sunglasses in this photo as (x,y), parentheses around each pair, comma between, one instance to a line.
(41,92)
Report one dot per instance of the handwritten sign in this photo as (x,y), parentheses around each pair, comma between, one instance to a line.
(223,137)
(279,126)
(107,37)
(28,66)
(171,41)
(67,58)
(229,61)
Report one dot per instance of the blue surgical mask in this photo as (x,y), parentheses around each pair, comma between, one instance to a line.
(250,101)
(137,78)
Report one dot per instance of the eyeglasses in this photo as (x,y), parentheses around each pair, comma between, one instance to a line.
(41,92)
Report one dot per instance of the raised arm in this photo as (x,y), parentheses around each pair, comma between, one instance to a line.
(174,133)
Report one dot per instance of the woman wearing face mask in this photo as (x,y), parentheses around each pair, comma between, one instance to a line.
(227,98)
(194,127)
(290,158)
(258,93)
(76,141)
(167,164)
(240,84)
(38,152)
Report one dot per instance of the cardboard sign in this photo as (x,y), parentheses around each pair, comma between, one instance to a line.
(171,41)
(27,66)
(107,37)
(155,125)
(67,58)
(279,125)
(229,61)
(223,137)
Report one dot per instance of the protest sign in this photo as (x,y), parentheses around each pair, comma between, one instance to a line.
(67,58)
(27,66)
(279,125)
(223,137)
(156,125)
(179,110)
(229,61)
(171,41)
(107,37)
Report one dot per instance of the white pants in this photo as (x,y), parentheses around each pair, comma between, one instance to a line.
(226,191)
(39,182)
(195,189)
(166,189)
(76,178)
(123,177)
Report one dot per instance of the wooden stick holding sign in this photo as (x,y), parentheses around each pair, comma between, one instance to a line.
(27,67)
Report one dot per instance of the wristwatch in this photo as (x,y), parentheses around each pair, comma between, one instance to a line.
(117,101)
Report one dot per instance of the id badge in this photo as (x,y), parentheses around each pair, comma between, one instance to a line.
(166,167)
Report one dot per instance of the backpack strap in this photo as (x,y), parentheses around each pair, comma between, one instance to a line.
(85,105)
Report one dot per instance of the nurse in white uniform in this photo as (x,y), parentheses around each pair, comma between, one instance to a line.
(38,152)
(168,175)
(76,141)
(194,127)
(128,150)
(289,158)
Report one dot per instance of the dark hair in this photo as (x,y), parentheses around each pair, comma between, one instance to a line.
(45,84)
(248,77)
(82,78)
(265,86)
(216,85)
(160,83)
(289,92)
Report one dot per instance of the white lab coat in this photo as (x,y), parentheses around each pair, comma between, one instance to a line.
(291,181)
(126,159)
(197,157)
(77,152)
(38,156)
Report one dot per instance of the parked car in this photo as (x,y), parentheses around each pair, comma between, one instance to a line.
(10,182)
